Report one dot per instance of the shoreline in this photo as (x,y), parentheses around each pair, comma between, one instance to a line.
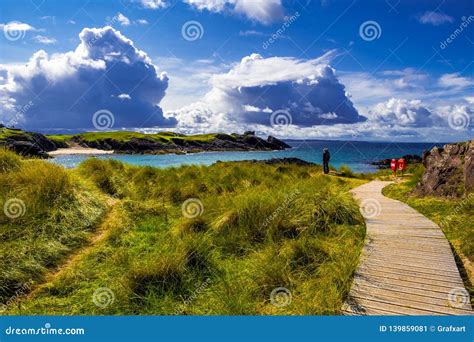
(78,151)
(92,151)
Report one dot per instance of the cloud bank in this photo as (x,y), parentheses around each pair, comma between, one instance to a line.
(263,11)
(307,92)
(402,112)
(105,71)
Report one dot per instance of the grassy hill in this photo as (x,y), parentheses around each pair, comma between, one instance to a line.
(169,142)
(108,238)
(126,136)
(36,144)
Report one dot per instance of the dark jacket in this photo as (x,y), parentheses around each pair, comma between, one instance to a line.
(326,157)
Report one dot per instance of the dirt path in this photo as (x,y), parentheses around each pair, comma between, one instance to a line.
(99,235)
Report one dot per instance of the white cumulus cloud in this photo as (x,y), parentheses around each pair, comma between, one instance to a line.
(44,40)
(455,80)
(252,90)
(264,11)
(403,112)
(68,88)
(153,4)
(17,26)
(435,18)
(123,20)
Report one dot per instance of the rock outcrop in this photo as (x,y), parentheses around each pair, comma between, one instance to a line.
(27,143)
(449,171)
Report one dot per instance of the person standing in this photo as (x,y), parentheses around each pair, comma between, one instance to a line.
(326,158)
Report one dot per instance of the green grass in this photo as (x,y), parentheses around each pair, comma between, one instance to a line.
(46,213)
(261,227)
(124,136)
(9,133)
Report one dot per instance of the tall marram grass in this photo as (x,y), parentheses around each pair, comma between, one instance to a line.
(261,227)
(46,212)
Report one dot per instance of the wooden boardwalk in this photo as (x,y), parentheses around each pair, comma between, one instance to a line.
(407,266)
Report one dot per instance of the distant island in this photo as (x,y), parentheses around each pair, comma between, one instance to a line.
(126,142)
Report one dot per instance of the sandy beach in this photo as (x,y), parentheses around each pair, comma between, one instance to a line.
(78,150)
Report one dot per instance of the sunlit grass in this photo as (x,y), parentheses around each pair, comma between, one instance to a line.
(261,227)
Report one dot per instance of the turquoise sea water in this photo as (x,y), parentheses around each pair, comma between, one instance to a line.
(357,155)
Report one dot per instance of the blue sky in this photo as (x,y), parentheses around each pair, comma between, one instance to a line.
(323,76)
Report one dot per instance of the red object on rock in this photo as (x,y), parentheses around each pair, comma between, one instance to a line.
(402,165)
(394,165)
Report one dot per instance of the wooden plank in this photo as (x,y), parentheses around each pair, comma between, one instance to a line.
(443,303)
(395,308)
(411,285)
(402,289)
(403,307)
(410,252)
(418,263)
(386,274)
(427,272)
(391,251)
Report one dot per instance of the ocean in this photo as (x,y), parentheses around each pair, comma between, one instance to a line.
(356,154)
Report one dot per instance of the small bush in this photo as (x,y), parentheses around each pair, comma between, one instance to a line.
(346,171)
(417,172)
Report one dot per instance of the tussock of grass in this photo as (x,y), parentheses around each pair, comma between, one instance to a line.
(8,160)
(160,276)
(102,173)
(346,171)
(57,212)
(262,227)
